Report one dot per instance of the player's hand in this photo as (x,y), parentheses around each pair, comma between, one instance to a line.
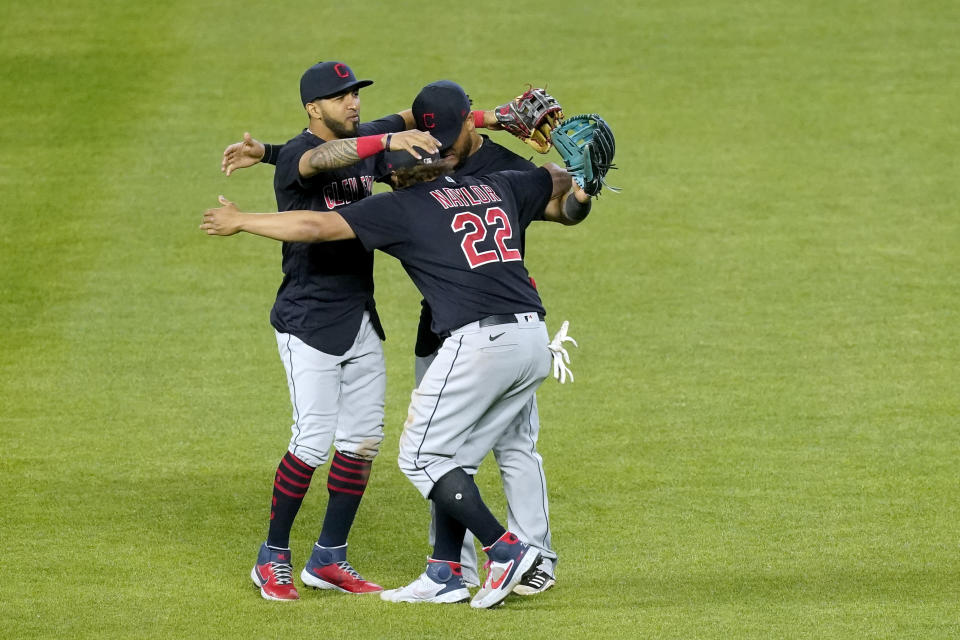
(240,155)
(578,193)
(407,140)
(222,221)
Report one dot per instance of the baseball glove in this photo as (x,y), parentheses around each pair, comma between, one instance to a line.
(586,145)
(532,117)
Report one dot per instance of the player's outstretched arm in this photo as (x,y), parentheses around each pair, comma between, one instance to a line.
(409,122)
(487,120)
(481,119)
(289,226)
(347,151)
(240,155)
(566,206)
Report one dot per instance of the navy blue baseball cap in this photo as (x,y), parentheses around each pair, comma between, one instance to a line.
(326,79)
(440,109)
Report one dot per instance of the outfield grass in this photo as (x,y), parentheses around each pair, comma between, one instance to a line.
(762,440)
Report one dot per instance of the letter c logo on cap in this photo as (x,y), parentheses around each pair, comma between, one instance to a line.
(428,121)
(341,70)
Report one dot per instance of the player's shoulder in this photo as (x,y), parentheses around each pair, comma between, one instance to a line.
(503,158)
(370,206)
(491,157)
(297,145)
(520,177)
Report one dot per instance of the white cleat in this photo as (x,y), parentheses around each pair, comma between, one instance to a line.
(441,583)
(510,561)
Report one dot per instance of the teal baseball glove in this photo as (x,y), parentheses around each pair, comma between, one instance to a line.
(587,146)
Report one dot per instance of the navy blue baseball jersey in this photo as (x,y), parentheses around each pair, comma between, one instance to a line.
(491,157)
(326,287)
(459,241)
(488,158)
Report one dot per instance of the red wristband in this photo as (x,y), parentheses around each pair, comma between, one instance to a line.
(478,120)
(369,145)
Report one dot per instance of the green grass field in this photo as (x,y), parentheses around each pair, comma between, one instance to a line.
(764,433)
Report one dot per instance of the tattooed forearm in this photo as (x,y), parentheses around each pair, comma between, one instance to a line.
(334,154)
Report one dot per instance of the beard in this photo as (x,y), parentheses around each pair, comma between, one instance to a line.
(342,129)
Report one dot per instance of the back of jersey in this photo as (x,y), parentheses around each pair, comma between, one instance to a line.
(459,240)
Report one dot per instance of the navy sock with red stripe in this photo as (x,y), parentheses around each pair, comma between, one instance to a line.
(290,485)
(346,483)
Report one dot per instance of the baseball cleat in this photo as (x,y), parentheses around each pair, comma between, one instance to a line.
(328,569)
(273,573)
(510,560)
(442,583)
(537,581)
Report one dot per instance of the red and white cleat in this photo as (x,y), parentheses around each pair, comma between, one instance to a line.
(273,573)
(328,569)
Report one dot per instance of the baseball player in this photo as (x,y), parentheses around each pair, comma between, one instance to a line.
(524,480)
(327,330)
(456,239)
(436,109)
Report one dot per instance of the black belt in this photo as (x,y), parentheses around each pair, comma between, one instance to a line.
(490,321)
(502,318)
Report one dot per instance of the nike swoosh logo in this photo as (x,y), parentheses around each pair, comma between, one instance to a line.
(495,584)
(492,338)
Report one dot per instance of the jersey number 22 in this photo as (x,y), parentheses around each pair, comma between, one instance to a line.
(495,218)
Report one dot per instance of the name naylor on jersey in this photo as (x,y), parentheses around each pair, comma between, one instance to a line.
(337,194)
(465,196)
